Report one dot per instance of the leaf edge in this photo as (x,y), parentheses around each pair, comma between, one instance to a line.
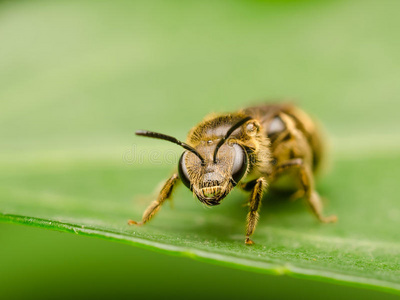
(208,257)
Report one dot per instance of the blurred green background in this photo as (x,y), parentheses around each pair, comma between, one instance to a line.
(77,78)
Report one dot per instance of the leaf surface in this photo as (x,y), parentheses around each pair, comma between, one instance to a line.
(75,87)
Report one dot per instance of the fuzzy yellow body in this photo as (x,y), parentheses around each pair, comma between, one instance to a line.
(292,135)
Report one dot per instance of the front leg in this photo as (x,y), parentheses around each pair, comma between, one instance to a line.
(155,206)
(254,203)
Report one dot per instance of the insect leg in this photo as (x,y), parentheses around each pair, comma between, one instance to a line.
(155,206)
(314,201)
(254,203)
(308,190)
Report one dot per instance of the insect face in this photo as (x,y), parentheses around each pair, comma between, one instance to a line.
(212,180)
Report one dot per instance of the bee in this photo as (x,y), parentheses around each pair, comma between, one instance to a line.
(254,148)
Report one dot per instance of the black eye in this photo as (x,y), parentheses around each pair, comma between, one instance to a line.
(239,163)
(182,170)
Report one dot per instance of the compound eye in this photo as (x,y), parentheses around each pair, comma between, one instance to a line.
(182,170)
(239,163)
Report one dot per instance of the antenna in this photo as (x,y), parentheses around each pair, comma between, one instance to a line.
(171,139)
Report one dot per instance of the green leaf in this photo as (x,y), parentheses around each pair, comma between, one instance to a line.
(77,79)
(97,199)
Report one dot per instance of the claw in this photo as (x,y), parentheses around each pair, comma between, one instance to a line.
(248,241)
(330,219)
(131,222)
